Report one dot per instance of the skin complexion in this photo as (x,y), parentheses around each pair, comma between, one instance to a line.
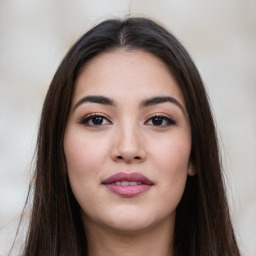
(127,145)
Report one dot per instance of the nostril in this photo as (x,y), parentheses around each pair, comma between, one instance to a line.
(136,157)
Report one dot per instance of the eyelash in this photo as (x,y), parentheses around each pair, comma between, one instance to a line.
(169,121)
(89,118)
(92,117)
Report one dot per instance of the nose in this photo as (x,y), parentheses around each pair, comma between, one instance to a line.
(129,146)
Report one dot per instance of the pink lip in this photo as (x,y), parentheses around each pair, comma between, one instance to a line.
(128,190)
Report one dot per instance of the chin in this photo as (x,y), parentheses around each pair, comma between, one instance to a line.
(133,223)
(128,219)
(131,227)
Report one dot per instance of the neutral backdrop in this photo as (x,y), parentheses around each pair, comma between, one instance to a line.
(221,37)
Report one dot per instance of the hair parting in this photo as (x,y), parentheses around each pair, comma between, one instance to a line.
(203,226)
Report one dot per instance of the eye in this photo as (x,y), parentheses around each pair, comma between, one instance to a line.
(160,120)
(95,120)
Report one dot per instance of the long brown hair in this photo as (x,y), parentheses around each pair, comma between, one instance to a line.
(203,225)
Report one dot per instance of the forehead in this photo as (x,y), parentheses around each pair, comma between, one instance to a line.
(126,72)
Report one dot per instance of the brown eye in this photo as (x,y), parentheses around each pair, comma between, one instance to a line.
(95,120)
(157,120)
(161,121)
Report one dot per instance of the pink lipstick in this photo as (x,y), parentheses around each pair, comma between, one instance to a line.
(128,184)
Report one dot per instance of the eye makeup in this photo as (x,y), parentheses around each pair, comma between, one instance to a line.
(95,119)
(160,120)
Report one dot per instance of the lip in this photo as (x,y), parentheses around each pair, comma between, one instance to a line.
(128,190)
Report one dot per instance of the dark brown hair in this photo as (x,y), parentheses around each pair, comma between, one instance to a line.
(203,226)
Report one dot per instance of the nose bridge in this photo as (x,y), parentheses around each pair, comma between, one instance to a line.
(128,136)
(129,143)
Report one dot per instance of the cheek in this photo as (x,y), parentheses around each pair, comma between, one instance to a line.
(173,155)
(172,160)
(85,156)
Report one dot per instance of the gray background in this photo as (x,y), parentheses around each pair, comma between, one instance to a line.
(220,36)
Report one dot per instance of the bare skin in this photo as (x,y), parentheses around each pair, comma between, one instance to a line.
(108,243)
(128,115)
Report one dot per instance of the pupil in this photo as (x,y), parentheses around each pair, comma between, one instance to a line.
(157,120)
(97,120)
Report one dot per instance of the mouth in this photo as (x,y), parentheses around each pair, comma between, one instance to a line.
(128,184)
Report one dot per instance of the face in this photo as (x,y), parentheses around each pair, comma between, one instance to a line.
(127,142)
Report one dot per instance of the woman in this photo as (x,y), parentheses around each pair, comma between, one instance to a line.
(127,155)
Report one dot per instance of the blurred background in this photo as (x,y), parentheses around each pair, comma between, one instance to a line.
(219,35)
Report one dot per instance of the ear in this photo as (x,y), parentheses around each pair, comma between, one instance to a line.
(191,169)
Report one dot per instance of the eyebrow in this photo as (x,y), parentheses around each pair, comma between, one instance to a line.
(145,103)
(95,99)
(160,100)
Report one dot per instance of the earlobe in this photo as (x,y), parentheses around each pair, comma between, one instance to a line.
(191,170)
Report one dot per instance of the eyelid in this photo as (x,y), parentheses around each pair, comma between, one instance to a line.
(87,117)
(169,119)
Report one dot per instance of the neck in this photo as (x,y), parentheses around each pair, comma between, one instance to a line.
(156,241)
